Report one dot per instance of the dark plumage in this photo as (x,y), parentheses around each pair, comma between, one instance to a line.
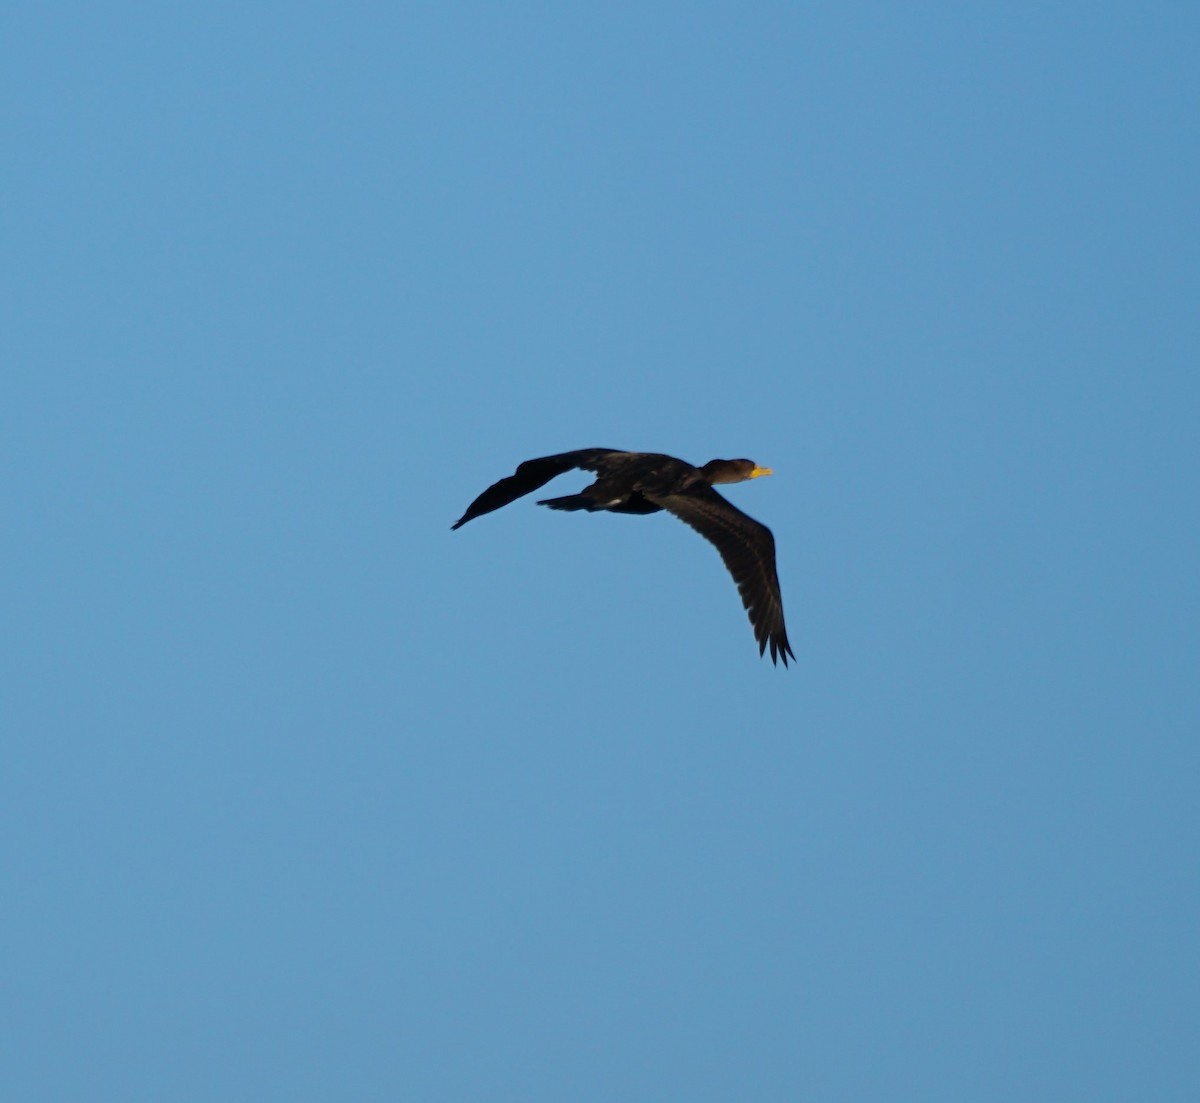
(646,482)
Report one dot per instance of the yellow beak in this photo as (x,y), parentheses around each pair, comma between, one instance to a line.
(761,471)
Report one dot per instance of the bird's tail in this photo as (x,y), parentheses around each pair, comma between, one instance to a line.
(569,502)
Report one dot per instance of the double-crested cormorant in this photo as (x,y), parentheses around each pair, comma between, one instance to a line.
(646,482)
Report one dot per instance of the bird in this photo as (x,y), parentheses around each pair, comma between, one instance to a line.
(647,482)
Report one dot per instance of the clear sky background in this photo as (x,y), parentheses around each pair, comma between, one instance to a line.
(305,797)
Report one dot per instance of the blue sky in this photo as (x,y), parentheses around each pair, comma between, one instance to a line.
(305,797)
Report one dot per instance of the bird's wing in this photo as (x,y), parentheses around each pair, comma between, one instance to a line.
(748,549)
(531,475)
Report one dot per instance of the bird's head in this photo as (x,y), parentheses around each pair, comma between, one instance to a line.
(732,471)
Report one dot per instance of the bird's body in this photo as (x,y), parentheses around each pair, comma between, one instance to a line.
(647,482)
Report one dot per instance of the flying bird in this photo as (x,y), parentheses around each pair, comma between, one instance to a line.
(647,482)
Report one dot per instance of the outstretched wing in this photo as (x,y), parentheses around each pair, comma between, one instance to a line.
(531,475)
(748,549)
